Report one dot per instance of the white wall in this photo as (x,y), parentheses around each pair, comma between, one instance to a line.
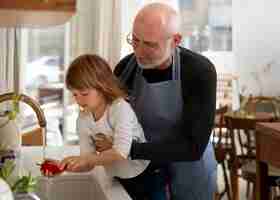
(256,44)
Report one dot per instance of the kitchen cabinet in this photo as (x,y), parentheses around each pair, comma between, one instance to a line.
(35,13)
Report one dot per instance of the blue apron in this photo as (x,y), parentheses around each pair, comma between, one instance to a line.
(158,107)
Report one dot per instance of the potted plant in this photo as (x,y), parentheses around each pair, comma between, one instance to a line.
(22,186)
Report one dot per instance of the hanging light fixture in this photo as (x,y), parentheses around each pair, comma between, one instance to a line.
(35,13)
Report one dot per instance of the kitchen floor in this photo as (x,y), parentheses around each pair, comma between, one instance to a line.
(242,186)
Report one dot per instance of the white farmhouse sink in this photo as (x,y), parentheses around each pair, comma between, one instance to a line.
(94,185)
(70,187)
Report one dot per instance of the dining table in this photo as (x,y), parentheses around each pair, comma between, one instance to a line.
(268,151)
(257,117)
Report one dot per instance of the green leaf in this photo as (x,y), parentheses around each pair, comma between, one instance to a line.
(25,184)
(22,184)
(7,169)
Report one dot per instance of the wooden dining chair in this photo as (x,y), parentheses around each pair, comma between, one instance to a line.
(221,143)
(36,136)
(242,161)
(266,104)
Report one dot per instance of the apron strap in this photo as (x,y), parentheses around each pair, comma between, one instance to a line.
(177,64)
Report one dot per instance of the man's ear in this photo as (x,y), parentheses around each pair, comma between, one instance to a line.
(177,38)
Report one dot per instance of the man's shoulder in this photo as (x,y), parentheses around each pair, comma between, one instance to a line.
(122,64)
(195,62)
(196,59)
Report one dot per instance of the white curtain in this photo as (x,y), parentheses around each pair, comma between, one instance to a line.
(97,29)
(8,72)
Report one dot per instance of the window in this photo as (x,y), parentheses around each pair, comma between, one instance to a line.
(206,25)
(42,77)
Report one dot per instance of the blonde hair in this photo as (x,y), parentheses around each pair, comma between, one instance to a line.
(93,72)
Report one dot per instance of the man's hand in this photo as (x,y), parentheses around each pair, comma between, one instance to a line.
(103,142)
(77,163)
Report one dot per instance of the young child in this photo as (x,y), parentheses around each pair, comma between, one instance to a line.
(104,110)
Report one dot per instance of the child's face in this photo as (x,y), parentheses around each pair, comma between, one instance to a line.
(89,99)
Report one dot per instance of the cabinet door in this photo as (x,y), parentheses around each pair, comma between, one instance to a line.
(35,13)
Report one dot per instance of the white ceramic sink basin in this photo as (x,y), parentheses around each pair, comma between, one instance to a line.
(70,187)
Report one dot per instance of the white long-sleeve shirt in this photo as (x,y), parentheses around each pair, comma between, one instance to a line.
(120,122)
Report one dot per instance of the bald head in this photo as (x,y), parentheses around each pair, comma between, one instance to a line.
(155,35)
(158,17)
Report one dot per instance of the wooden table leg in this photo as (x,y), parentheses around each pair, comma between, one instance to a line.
(234,183)
(262,181)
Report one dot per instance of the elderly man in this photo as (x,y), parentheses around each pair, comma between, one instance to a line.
(173,92)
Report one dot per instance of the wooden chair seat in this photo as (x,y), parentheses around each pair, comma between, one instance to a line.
(250,168)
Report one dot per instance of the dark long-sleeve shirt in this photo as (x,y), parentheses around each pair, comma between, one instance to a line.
(199,79)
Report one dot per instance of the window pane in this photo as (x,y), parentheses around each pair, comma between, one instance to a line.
(206,25)
(43,78)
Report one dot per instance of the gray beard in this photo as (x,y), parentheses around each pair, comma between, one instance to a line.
(153,66)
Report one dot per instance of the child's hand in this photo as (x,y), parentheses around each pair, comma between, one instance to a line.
(77,164)
(103,142)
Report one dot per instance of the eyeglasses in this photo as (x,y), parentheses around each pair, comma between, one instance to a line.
(135,42)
